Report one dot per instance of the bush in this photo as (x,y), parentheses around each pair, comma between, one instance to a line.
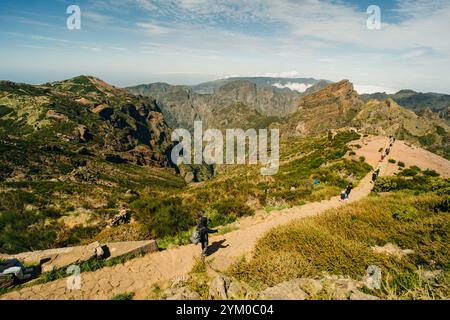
(405,214)
(417,183)
(228,211)
(164,217)
(392,161)
(443,205)
(123,296)
(427,140)
(431,173)
(401,164)
(411,171)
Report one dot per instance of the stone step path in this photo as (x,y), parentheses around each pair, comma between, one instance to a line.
(140,274)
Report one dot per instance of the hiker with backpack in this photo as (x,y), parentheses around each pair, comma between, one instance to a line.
(201,235)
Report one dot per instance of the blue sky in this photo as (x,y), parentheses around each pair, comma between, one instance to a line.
(127,42)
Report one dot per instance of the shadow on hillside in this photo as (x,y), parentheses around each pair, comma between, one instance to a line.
(215,246)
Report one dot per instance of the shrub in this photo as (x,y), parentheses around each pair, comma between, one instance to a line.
(124,296)
(392,161)
(431,173)
(164,217)
(401,164)
(411,171)
(406,214)
(417,183)
(227,211)
(443,205)
(427,140)
(352,153)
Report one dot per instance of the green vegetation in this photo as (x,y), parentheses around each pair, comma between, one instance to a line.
(392,161)
(165,217)
(123,296)
(427,140)
(410,172)
(416,184)
(199,280)
(35,210)
(339,242)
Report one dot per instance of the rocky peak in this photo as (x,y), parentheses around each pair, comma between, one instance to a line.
(332,107)
(342,91)
(239,90)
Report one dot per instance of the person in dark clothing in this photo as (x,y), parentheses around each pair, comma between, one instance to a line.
(204,231)
(349,189)
(375,175)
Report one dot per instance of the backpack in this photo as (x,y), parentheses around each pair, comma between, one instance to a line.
(195,238)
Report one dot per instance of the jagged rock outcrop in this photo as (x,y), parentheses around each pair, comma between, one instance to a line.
(330,108)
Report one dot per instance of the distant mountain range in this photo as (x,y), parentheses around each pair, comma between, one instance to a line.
(242,102)
(416,101)
(282,84)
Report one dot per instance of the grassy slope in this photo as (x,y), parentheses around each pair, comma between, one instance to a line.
(32,210)
(339,242)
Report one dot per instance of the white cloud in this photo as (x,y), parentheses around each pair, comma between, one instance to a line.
(97,17)
(285,74)
(295,86)
(413,54)
(44,38)
(369,89)
(153,28)
(92,49)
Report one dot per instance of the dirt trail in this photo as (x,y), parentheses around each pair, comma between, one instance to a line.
(138,275)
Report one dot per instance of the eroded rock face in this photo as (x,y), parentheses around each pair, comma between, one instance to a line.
(329,287)
(330,108)
(218,288)
(289,290)
(182,293)
(6,281)
(358,295)
(83,134)
(56,116)
(236,291)
(392,250)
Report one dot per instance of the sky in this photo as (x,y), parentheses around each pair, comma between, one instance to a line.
(130,42)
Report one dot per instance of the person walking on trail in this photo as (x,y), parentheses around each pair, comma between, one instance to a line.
(375,175)
(203,232)
(349,189)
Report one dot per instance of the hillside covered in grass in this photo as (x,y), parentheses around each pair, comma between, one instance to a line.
(408,214)
(63,208)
